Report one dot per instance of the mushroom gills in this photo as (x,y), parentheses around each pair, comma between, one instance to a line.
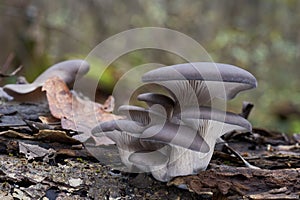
(230,121)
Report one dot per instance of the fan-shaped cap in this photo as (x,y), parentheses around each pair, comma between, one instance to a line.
(154,98)
(140,114)
(119,125)
(174,134)
(232,78)
(135,113)
(207,71)
(153,158)
(68,71)
(158,102)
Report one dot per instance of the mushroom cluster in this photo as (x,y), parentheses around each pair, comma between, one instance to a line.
(176,134)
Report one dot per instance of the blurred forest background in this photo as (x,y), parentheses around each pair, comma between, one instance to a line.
(260,36)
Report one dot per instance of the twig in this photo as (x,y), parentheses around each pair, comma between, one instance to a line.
(11,74)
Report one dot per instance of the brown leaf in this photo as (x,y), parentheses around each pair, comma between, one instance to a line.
(44,135)
(109,104)
(48,119)
(55,135)
(59,98)
(75,113)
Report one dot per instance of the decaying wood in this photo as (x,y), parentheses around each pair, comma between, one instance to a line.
(277,154)
(245,182)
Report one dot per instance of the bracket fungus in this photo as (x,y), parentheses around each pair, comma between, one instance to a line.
(176,134)
(68,71)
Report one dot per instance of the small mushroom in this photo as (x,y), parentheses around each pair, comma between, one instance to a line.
(119,125)
(158,99)
(129,143)
(155,162)
(135,113)
(68,71)
(142,115)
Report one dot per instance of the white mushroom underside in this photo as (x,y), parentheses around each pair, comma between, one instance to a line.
(185,162)
(201,93)
(168,161)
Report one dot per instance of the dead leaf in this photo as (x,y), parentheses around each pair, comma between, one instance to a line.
(48,119)
(54,136)
(15,134)
(35,151)
(109,104)
(75,113)
(44,135)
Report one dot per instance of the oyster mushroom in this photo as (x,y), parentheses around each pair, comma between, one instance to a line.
(125,134)
(194,85)
(191,127)
(68,71)
(148,153)
(153,100)
(153,115)
(201,82)
(142,127)
(119,125)
(187,158)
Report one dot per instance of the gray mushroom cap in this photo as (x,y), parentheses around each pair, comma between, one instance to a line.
(232,78)
(68,71)
(130,147)
(178,135)
(141,115)
(135,113)
(119,125)
(153,98)
(154,158)
(158,99)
